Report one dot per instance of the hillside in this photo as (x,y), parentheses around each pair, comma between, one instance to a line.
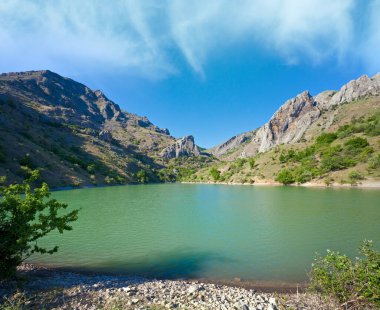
(75,135)
(296,119)
(333,137)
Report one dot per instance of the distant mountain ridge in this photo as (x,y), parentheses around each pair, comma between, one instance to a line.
(290,122)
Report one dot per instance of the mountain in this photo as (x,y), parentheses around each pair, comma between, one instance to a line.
(75,135)
(292,121)
(333,137)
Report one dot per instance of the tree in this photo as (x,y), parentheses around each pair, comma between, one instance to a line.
(25,216)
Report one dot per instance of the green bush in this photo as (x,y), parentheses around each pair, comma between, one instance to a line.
(285,176)
(251,162)
(355,283)
(25,217)
(355,176)
(240,162)
(142,176)
(356,143)
(374,162)
(215,173)
(326,138)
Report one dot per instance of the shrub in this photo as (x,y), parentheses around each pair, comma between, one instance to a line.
(251,162)
(240,162)
(326,138)
(374,162)
(356,143)
(285,176)
(25,217)
(142,176)
(215,173)
(353,282)
(355,176)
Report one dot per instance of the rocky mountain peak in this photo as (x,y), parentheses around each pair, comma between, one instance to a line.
(181,147)
(296,115)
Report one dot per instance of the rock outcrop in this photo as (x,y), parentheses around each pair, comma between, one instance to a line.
(181,147)
(289,124)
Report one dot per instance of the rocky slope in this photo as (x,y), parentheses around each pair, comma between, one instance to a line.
(290,124)
(76,135)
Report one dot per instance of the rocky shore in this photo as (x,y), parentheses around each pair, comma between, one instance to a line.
(44,288)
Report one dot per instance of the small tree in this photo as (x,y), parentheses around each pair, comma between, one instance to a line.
(25,217)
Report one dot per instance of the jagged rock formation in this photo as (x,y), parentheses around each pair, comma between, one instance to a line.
(290,123)
(181,147)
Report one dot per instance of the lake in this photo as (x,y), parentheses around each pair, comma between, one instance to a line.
(212,231)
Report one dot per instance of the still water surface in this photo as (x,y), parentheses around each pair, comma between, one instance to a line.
(212,231)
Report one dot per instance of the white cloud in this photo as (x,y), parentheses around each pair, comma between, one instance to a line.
(147,36)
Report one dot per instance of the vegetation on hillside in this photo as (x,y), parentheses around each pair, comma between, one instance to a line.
(348,154)
(25,217)
(332,151)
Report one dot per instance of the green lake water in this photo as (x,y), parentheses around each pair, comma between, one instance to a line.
(212,231)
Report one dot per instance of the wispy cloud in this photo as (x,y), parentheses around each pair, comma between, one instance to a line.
(145,36)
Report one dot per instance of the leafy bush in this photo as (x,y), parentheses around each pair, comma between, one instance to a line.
(142,176)
(251,162)
(285,176)
(215,173)
(355,176)
(25,217)
(374,162)
(240,162)
(356,144)
(353,282)
(326,138)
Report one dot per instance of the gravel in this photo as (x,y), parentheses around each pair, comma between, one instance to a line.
(54,289)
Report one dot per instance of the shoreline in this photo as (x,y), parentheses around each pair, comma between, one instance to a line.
(62,289)
(375,185)
(362,185)
(262,286)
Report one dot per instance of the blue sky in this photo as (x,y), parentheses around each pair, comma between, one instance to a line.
(212,69)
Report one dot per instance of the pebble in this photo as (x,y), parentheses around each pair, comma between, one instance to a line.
(99,291)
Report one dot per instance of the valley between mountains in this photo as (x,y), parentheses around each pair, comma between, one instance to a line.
(78,137)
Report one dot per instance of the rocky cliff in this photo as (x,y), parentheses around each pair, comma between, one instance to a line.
(180,148)
(291,121)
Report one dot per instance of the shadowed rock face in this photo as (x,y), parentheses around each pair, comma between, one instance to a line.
(295,116)
(181,147)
